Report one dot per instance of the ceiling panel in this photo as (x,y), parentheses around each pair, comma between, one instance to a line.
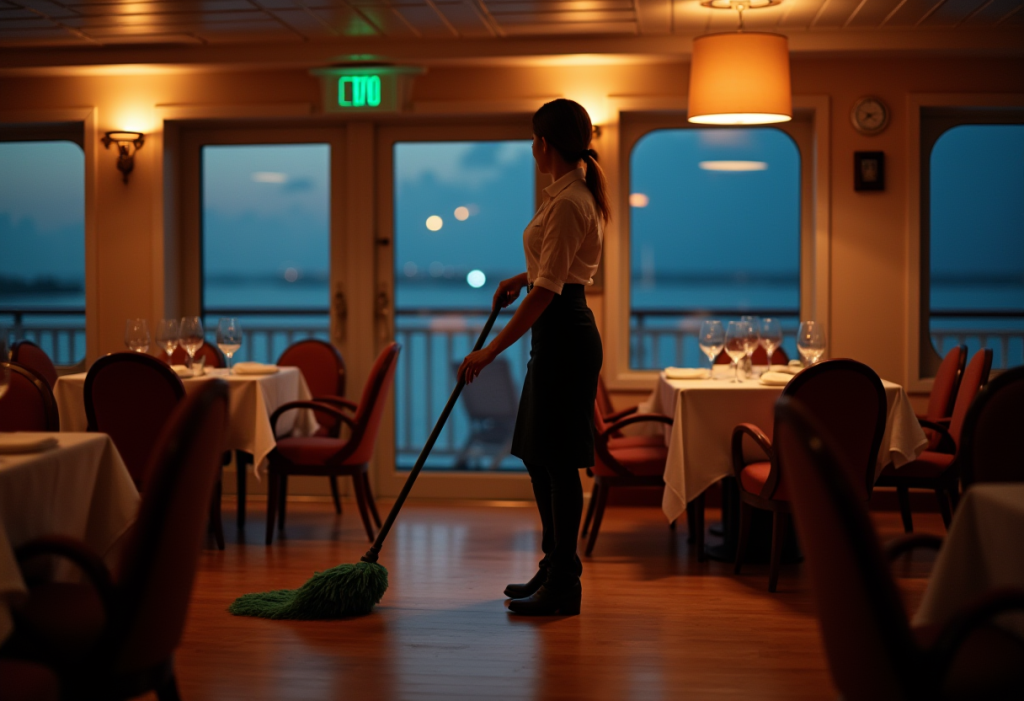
(338,22)
(953,12)
(688,17)
(992,13)
(427,21)
(800,14)
(50,9)
(388,21)
(154,8)
(911,13)
(654,16)
(571,28)
(873,13)
(468,20)
(835,14)
(565,17)
(497,8)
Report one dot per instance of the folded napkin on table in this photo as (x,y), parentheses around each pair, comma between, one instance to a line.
(776,379)
(252,368)
(182,370)
(788,369)
(686,373)
(26,442)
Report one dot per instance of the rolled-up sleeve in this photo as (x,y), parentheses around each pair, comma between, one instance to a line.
(565,227)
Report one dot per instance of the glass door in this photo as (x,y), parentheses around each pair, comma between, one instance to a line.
(454,203)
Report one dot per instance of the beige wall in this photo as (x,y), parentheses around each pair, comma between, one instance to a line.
(869,236)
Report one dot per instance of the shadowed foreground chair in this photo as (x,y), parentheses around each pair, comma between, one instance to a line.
(27,681)
(990,439)
(936,469)
(31,356)
(114,638)
(28,404)
(325,455)
(943,395)
(849,400)
(634,461)
(872,651)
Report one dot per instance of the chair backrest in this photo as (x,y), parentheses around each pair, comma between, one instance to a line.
(849,400)
(760,356)
(974,378)
(31,356)
(28,404)
(867,639)
(214,358)
(159,563)
(492,395)
(320,364)
(946,384)
(131,396)
(371,405)
(989,442)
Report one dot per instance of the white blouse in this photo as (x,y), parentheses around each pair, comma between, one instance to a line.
(563,240)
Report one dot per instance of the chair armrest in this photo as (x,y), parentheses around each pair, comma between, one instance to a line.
(969,618)
(304,404)
(636,419)
(896,547)
(753,432)
(81,555)
(338,402)
(616,415)
(946,442)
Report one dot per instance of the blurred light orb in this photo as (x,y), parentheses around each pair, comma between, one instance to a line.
(436,269)
(434,222)
(462,213)
(476,279)
(639,200)
(291,274)
(410,269)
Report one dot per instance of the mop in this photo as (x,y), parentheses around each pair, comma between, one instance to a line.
(350,589)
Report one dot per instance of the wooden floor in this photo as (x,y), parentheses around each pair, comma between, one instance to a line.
(656,624)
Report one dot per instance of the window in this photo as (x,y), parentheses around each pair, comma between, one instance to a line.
(714,233)
(266,243)
(976,242)
(42,240)
(459,212)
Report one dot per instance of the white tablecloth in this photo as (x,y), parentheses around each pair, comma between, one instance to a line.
(705,412)
(253,399)
(984,549)
(80,489)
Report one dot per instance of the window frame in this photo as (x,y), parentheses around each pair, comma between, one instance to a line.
(638,117)
(930,116)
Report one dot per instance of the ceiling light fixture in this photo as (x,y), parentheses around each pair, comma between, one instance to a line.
(740,78)
(125,156)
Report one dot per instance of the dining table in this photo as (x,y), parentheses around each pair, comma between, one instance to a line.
(252,399)
(79,488)
(982,551)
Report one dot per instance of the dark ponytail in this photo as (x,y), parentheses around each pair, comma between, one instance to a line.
(566,126)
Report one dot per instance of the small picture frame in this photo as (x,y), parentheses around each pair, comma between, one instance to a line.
(869,171)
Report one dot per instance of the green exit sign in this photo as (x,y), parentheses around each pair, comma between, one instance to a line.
(366,88)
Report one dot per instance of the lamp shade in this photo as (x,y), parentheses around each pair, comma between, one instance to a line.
(740,78)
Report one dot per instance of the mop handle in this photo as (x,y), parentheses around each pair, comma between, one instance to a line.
(374,551)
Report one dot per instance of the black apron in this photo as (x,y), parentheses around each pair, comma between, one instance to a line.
(555,425)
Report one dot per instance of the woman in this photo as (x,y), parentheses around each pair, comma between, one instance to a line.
(554,433)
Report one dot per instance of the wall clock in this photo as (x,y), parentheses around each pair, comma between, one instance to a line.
(869,115)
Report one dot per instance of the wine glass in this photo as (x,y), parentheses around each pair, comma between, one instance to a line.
(229,337)
(136,335)
(736,341)
(191,336)
(711,341)
(167,336)
(753,341)
(810,341)
(771,337)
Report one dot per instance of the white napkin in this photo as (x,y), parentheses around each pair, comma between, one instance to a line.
(26,442)
(787,369)
(182,370)
(776,379)
(686,373)
(252,368)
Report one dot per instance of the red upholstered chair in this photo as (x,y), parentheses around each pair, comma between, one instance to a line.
(131,396)
(114,637)
(944,389)
(872,651)
(324,371)
(328,455)
(31,356)
(849,400)
(27,681)
(28,404)
(633,461)
(936,469)
(990,441)
(759,357)
(213,357)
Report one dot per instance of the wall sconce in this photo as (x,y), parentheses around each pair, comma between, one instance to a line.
(128,143)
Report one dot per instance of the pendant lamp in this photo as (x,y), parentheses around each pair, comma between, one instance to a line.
(740,78)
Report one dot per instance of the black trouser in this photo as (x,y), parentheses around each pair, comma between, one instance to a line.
(559,495)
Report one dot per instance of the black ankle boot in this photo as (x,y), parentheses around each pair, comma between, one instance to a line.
(548,601)
(521,591)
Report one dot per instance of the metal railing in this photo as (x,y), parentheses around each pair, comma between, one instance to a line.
(59,331)
(1002,331)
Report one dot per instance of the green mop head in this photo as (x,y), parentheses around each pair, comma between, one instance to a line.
(342,591)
